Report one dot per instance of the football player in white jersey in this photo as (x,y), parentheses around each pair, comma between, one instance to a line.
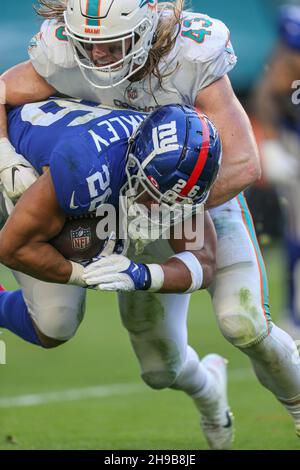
(134,54)
(174,145)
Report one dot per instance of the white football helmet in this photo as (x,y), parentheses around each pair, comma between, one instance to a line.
(116,23)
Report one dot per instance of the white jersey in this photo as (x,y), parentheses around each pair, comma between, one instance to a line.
(202,54)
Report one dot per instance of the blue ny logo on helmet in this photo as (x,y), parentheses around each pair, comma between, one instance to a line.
(175,155)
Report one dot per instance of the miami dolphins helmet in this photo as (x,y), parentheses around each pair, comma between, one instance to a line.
(125,27)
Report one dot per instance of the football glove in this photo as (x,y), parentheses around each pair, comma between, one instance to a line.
(117,273)
(76,277)
(16,173)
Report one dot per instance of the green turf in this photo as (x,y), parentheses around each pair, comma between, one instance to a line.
(101,354)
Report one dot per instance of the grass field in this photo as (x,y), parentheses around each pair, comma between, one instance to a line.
(87,394)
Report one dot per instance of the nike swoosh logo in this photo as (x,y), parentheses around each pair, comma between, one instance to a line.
(229,420)
(13,175)
(72,203)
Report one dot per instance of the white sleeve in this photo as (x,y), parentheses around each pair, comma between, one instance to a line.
(216,68)
(49,49)
(206,53)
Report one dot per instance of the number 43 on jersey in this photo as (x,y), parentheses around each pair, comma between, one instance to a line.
(197,29)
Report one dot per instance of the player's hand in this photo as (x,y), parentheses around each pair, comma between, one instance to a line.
(279,166)
(117,273)
(107,250)
(16,173)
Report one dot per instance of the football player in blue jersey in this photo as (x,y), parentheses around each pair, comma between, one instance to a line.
(277,111)
(172,159)
(142,55)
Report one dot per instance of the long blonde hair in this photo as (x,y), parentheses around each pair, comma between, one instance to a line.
(51,8)
(167,31)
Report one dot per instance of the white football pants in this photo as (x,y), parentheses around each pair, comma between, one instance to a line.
(239,293)
(157,322)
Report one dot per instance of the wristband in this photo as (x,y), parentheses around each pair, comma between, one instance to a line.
(157,277)
(195,268)
(76,275)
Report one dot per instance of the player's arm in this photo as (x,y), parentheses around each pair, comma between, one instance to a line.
(279,166)
(19,85)
(24,85)
(277,83)
(186,271)
(193,269)
(240,165)
(24,245)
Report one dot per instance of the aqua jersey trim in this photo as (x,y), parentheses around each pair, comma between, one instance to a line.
(262,269)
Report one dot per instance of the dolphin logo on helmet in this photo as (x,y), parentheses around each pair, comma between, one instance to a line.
(150,3)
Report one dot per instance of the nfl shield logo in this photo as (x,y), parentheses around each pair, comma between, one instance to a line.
(81,238)
(132,93)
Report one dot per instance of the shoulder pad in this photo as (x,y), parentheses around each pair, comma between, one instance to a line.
(50,48)
(81,184)
(203,38)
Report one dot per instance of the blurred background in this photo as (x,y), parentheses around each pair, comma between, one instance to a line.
(87,394)
(252,25)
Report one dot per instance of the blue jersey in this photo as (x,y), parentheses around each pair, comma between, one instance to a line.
(84,145)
